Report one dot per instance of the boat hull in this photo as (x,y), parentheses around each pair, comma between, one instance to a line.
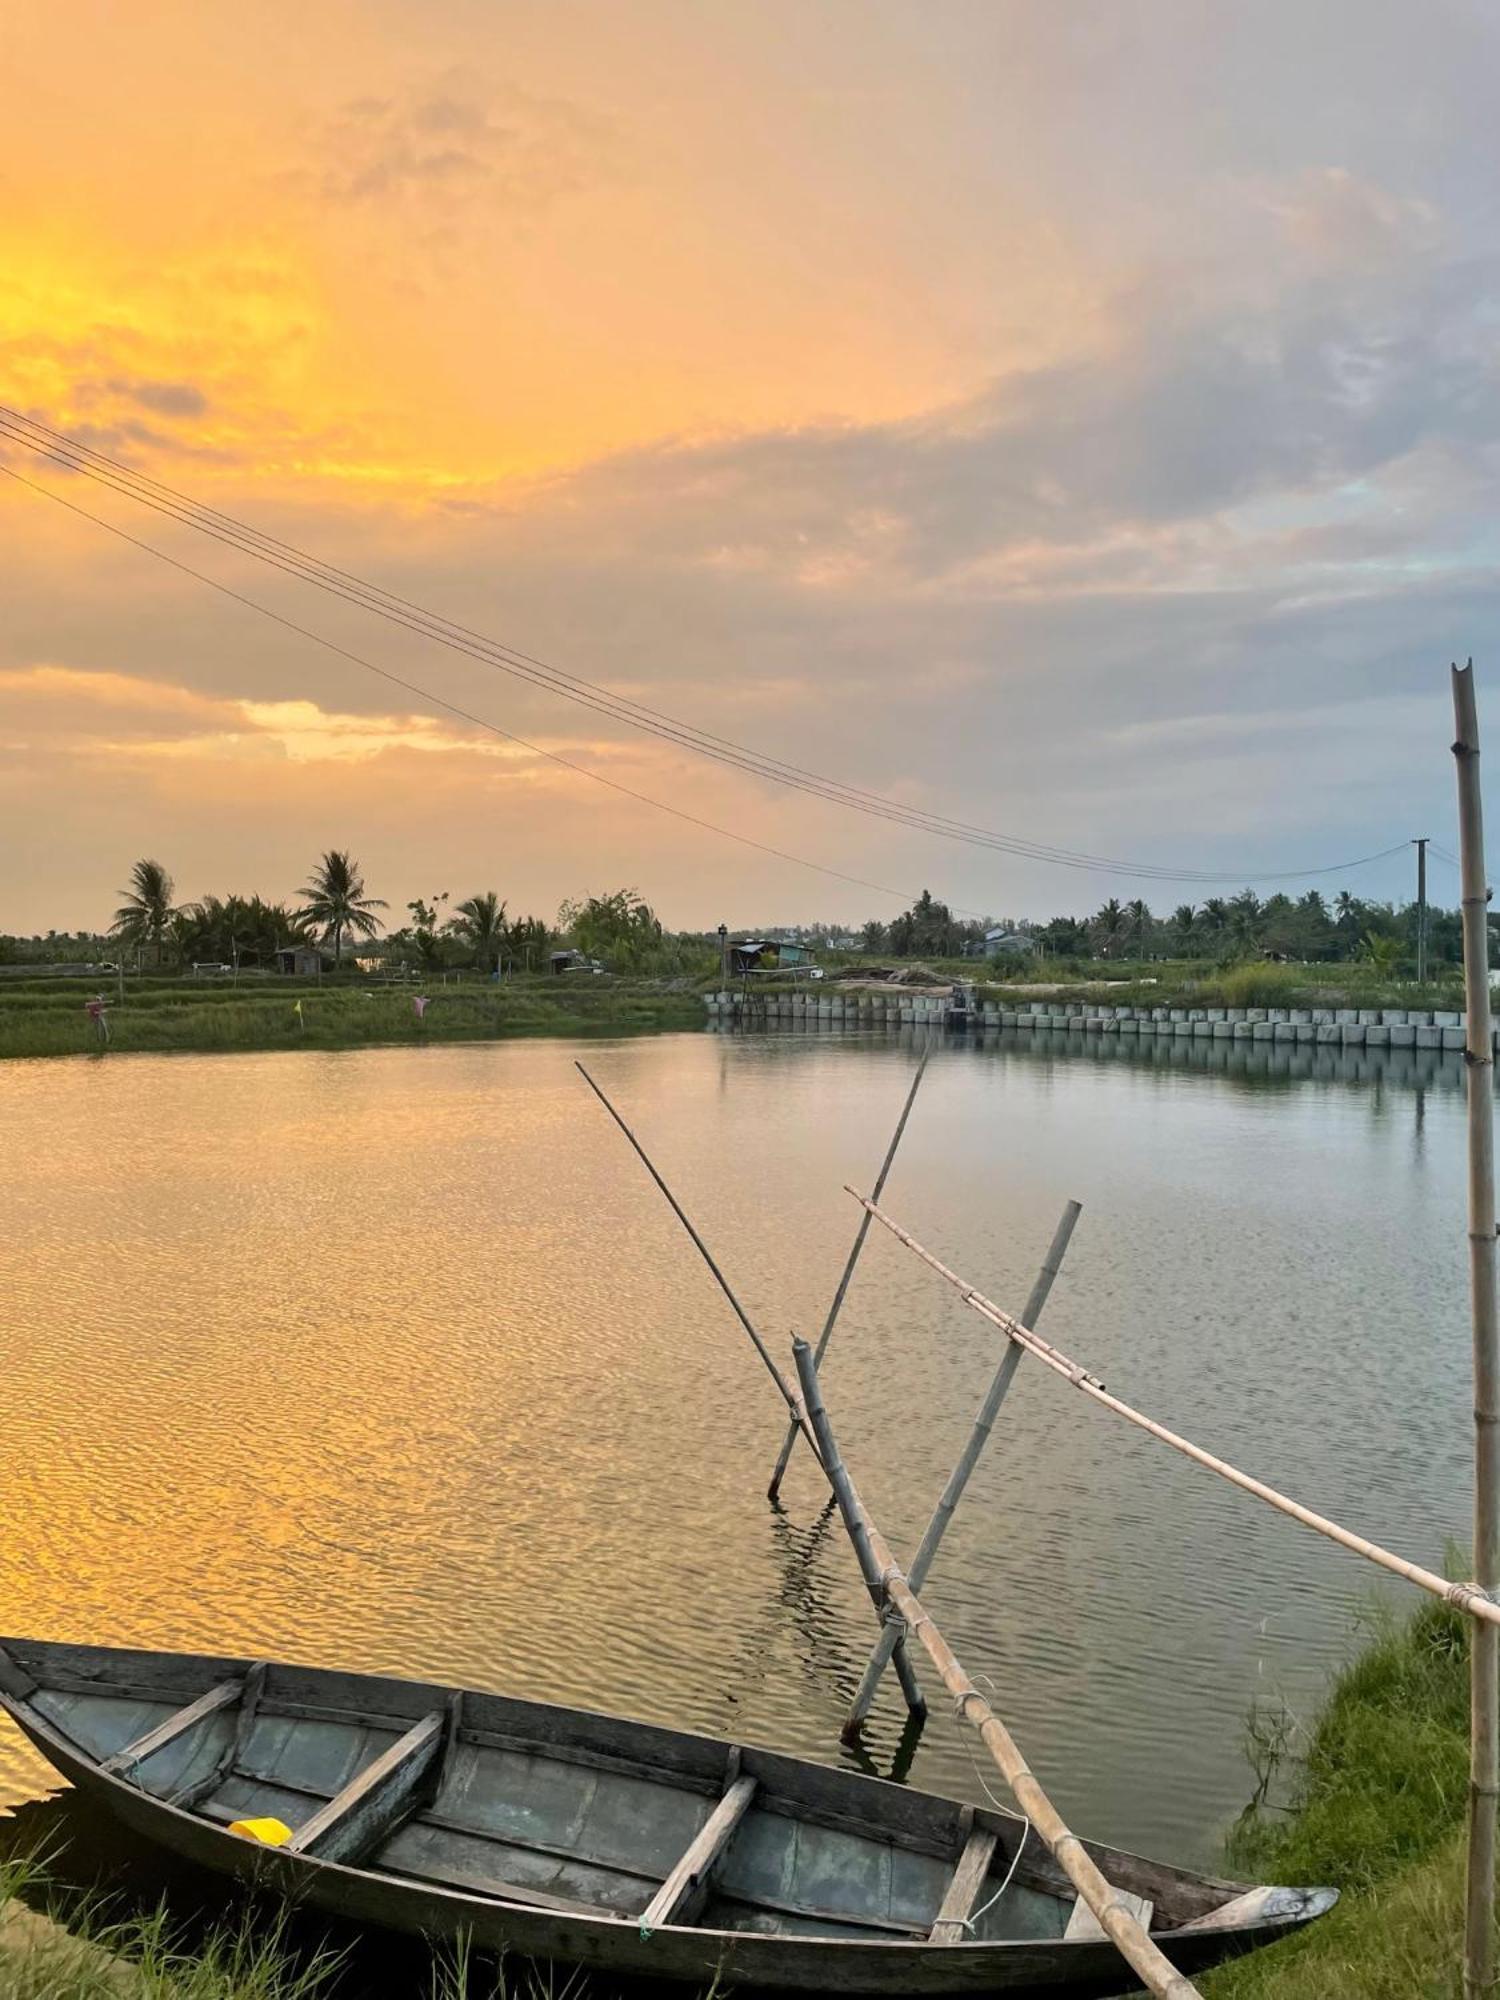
(675,1953)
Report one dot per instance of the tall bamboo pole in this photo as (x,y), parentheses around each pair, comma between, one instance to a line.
(906,1673)
(1115,1915)
(1484,1657)
(958,1479)
(784,1458)
(1480,1604)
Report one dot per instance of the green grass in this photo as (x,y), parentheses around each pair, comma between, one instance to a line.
(162,1016)
(55,1947)
(1376,1810)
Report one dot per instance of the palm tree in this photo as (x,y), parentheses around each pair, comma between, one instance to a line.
(1110,926)
(147,911)
(1383,953)
(336,901)
(480,922)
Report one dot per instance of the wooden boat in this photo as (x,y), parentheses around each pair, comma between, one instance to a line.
(586,1839)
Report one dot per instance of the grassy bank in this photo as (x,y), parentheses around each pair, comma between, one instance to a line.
(183,1015)
(1377,1809)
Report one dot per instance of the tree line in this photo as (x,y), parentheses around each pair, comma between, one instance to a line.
(335,912)
(1310,927)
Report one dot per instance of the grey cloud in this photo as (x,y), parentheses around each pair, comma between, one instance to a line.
(1199,407)
(167,399)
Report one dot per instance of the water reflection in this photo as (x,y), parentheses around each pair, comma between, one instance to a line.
(1237,1061)
(392,1359)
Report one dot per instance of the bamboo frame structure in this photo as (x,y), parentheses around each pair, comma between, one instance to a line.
(906,1673)
(958,1479)
(1484,1657)
(785,1456)
(1480,1603)
(1116,1916)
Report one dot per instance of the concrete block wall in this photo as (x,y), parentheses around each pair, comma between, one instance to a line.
(1344,1027)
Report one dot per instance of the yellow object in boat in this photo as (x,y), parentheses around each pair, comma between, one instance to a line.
(269,1832)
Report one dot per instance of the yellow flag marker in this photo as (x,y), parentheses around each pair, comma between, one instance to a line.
(269,1832)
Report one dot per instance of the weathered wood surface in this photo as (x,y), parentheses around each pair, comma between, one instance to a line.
(225,1695)
(1084,1924)
(681,1895)
(368,1807)
(963,1891)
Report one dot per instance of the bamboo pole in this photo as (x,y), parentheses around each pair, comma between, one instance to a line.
(915,1700)
(1484,1656)
(1469,1597)
(784,1459)
(968,1458)
(1116,1916)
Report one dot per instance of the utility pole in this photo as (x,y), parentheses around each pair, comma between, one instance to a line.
(1420,845)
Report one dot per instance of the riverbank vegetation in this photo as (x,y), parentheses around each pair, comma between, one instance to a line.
(63,1018)
(1377,1797)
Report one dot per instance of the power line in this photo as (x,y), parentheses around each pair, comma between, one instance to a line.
(466,715)
(89,463)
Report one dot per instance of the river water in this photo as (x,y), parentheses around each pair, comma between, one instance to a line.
(395,1360)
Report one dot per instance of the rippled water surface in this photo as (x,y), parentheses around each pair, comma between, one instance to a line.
(395,1360)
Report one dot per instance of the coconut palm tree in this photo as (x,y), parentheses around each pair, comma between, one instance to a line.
(479,922)
(146,913)
(1110,927)
(336,903)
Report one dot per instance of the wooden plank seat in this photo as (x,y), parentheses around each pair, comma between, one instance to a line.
(377,1798)
(1084,1927)
(227,1694)
(968,1878)
(682,1895)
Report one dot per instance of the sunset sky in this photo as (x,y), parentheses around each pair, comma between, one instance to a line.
(1077,419)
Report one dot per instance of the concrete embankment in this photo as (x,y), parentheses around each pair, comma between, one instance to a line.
(1344,1027)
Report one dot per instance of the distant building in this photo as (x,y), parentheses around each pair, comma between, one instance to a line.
(302,961)
(1000,943)
(572,961)
(767,955)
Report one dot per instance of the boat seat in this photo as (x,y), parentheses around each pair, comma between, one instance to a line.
(683,1893)
(227,1694)
(964,1885)
(1085,1928)
(375,1799)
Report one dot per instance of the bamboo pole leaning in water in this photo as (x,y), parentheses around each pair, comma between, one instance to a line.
(906,1673)
(953,1492)
(1116,1916)
(1484,1656)
(784,1459)
(1470,1597)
